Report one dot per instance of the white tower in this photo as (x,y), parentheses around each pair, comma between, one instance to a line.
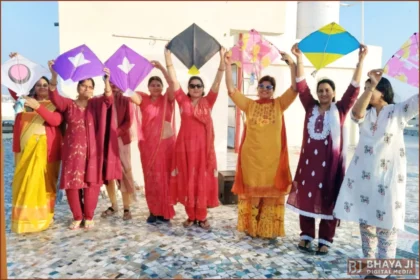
(312,15)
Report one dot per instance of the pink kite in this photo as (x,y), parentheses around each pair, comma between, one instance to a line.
(404,64)
(253,53)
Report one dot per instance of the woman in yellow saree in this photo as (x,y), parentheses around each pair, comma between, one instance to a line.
(36,144)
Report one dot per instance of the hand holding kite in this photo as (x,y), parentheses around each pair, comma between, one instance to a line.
(20,74)
(31,103)
(363,50)
(375,76)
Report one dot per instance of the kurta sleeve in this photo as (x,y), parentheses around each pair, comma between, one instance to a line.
(180,96)
(60,102)
(287,98)
(407,109)
(356,120)
(349,97)
(52,118)
(240,100)
(211,98)
(305,96)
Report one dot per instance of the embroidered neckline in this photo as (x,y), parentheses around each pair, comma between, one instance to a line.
(312,122)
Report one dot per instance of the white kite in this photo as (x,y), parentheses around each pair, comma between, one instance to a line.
(20,74)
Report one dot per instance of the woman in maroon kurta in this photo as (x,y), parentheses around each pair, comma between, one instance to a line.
(83,145)
(321,164)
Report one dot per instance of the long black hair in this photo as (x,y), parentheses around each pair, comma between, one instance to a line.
(384,86)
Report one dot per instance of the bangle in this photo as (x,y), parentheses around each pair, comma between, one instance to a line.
(52,84)
(167,66)
(221,69)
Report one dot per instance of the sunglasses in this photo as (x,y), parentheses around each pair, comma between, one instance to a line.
(43,85)
(269,87)
(192,86)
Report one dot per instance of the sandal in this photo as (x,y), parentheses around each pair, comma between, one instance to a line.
(152,219)
(162,219)
(108,212)
(127,215)
(204,224)
(89,224)
(188,223)
(305,248)
(322,253)
(75,225)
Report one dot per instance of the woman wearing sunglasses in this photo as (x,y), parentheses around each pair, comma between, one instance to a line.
(84,161)
(263,176)
(36,144)
(194,172)
(322,161)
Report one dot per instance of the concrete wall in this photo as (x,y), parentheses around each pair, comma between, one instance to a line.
(95,23)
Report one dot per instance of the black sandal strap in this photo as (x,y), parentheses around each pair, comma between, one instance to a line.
(126,210)
(111,209)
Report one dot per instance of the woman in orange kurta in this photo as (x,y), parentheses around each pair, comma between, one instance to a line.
(194,172)
(263,176)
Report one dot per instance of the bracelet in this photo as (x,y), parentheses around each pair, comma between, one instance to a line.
(51,84)
(167,66)
(221,69)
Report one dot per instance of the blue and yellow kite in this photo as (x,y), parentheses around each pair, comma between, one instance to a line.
(328,44)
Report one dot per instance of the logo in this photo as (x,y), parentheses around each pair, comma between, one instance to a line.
(381,266)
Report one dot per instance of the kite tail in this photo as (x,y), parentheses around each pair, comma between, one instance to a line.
(193,71)
(313,74)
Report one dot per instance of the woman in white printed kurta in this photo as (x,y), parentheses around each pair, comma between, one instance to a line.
(373,190)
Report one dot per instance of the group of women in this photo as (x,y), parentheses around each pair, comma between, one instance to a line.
(182,168)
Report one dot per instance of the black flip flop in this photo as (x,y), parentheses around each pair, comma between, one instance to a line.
(305,248)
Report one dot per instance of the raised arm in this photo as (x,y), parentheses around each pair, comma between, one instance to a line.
(237,97)
(170,92)
(305,96)
(219,75)
(359,108)
(408,109)
(13,94)
(60,102)
(172,79)
(353,90)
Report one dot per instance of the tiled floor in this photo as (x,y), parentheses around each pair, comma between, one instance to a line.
(134,249)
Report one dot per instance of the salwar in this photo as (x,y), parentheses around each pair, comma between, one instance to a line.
(194,213)
(383,239)
(326,230)
(110,189)
(261,217)
(90,200)
(33,187)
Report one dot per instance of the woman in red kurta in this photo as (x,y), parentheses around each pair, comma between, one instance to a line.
(36,144)
(322,161)
(83,145)
(194,172)
(156,148)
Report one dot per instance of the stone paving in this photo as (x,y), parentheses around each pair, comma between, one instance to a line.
(134,249)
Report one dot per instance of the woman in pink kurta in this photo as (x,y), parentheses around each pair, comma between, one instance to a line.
(321,164)
(156,147)
(194,172)
(83,145)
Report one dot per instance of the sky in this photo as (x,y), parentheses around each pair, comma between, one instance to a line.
(387,24)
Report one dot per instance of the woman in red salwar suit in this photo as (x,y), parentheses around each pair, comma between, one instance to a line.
(194,173)
(83,145)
